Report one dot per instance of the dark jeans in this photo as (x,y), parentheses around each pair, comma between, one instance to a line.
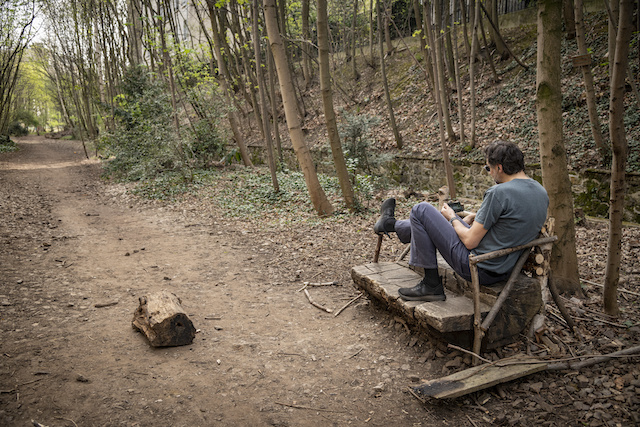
(427,231)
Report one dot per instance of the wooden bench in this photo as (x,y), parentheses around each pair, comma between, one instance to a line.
(486,317)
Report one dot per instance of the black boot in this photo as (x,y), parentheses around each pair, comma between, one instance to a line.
(387,221)
(429,289)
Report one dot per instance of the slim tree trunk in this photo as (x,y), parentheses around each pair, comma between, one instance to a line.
(327,102)
(371,49)
(619,148)
(439,108)
(318,197)
(472,72)
(387,33)
(385,84)
(569,18)
(456,69)
(494,30)
(263,100)
(306,49)
(354,23)
(274,106)
(463,13)
(553,157)
(594,120)
(225,80)
(441,77)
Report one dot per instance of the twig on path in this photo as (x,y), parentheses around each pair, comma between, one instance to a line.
(307,407)
(67,419)
(348,304)
(315,304)
(356,353)
(105,304)
(416,395)
(455,347)
(307,284)
(474,424)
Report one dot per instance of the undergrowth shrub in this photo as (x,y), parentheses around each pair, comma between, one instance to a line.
(144,142)
(362,163)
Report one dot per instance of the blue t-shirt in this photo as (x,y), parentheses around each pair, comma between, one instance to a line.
(513,213)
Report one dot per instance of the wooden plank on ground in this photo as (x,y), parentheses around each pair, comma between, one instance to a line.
(480,377)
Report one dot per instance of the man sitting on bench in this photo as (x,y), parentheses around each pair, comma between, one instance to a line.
(512,213)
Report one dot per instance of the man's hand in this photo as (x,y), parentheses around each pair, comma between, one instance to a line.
(470,237)
(469,218)
(447,212)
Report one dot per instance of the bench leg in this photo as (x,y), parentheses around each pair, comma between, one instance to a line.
(376,255)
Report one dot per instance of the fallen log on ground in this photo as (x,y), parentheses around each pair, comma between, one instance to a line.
(487,375)
(162,320)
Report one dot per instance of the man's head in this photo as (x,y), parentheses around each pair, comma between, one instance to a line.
(507,154)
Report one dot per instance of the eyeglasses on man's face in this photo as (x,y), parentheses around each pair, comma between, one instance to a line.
(487,168)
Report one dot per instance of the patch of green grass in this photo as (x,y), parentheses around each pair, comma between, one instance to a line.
(7,145)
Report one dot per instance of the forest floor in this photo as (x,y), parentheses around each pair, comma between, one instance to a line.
(76,253)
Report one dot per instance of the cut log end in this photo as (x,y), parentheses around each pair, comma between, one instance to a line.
(162,320)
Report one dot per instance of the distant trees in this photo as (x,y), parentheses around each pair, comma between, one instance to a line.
(16,31)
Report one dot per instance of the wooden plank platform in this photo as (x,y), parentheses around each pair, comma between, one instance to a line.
(382,281)
(451,320)
(480,377)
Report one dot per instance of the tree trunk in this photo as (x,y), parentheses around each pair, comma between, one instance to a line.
(354,23)
(385,84)
(225,80)
(619,148)
(440,60)
(327,102)
(594,120)
(274,106)
(553,157)
(569,18)
(456,69)
(387,33)
(494,30)
(439,108)
(263,100)
(472,72)
(306,49)
(318,197)
(463,13)
(371,49)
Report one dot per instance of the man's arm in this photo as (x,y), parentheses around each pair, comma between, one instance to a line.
(470,236)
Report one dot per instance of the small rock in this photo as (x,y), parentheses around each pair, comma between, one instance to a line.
(82,379)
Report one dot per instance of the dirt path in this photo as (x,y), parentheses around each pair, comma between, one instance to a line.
(69,242)
(263,354)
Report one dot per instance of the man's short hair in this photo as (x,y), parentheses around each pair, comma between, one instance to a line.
(507,154)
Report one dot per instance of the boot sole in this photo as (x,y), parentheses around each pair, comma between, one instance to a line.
(428,298)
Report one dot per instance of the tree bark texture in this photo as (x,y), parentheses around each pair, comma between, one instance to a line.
(225,80)
(263,98)
(385,83)
(327,103)
(553,157)
(316,193)
(619,148)
(594,120)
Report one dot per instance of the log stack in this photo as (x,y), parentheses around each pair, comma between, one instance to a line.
(162,320)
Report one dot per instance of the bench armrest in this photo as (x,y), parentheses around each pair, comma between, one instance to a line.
(474,259)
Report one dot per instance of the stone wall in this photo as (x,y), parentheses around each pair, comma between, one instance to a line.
(590,187)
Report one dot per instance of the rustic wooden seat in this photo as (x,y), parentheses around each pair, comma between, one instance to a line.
(459,319)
